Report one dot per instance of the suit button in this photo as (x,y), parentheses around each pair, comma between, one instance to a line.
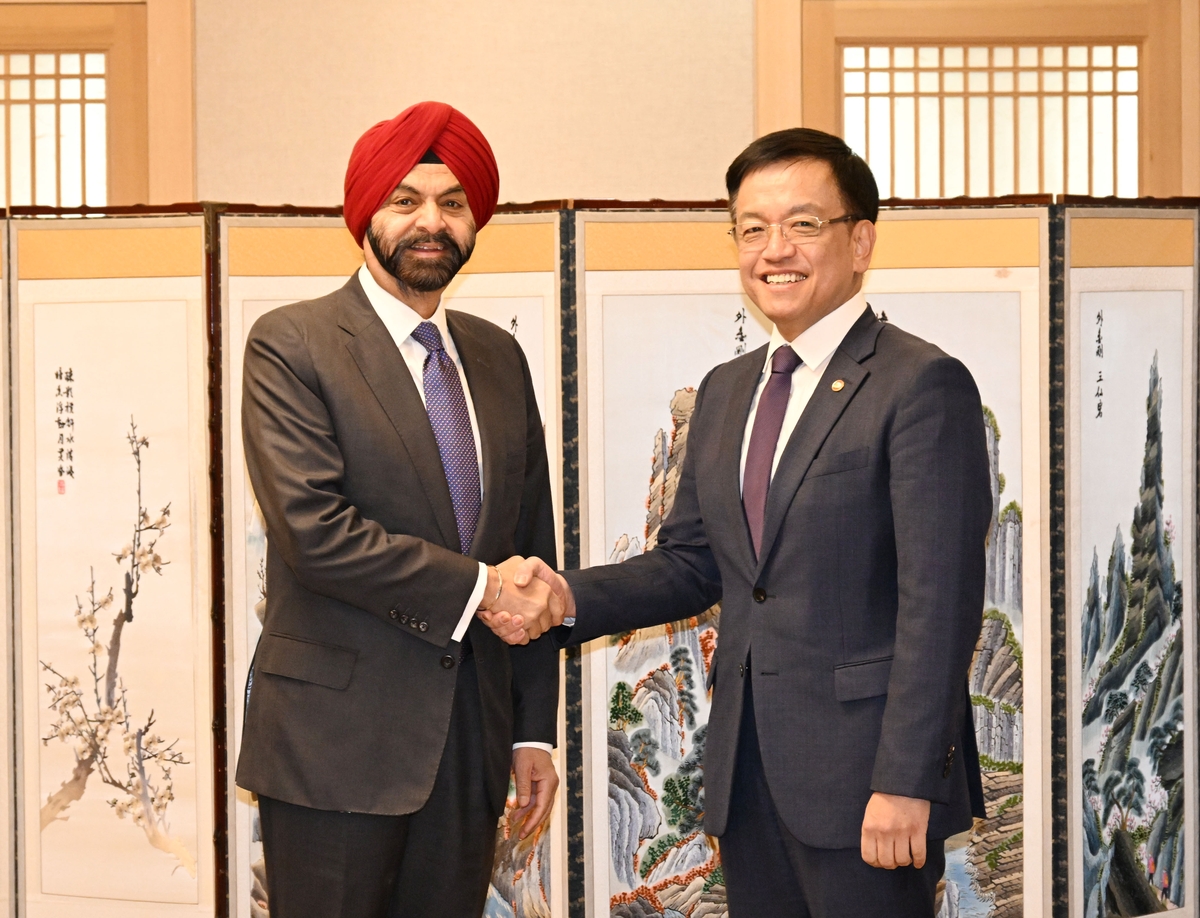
(741,669)
(404,619)
(447,662)
(394,614)
(760,595)
(412,623)
(423,626)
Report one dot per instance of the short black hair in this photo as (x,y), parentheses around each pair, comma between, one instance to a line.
(853,176)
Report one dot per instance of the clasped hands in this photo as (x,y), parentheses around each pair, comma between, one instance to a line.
(524,599)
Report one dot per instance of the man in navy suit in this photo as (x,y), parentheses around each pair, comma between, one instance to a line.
(835,498)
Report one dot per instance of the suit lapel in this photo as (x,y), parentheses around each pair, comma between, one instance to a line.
(817,420)
(491,413)
(729,458)
(383,368)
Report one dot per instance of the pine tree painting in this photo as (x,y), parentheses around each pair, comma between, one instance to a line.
(1132,671)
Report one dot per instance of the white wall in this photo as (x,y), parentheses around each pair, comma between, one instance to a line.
(629,99)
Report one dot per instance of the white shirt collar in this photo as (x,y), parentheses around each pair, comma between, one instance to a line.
(816,343)
(400,318)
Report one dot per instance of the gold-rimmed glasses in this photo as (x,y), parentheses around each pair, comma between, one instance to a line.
(754,235)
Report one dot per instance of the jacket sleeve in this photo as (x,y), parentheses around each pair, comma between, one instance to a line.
(941,504)
(677,579)
(535,665)
(296,468)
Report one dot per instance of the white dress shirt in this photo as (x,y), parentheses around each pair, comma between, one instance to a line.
(401,320)
(815,346)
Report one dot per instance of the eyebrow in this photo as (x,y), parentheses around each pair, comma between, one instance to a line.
(408,189)
(798,209)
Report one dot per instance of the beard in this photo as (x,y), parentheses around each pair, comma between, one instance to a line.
(422,274)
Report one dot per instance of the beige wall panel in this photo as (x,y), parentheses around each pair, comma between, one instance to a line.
(169,91)
(958,243)
(777,98)
(658,247)
(61,254)
(625,100)
(1098,242)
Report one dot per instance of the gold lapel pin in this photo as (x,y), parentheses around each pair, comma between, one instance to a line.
(838,385)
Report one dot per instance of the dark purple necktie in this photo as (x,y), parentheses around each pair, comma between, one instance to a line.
(772,405)
(447,408)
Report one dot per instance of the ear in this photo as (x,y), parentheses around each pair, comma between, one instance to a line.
(862,243)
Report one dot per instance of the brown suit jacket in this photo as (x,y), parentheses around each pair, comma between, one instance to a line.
(355,672)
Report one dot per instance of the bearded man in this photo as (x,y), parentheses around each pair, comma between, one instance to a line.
(397,454)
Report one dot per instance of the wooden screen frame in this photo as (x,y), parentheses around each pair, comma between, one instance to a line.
(797,62)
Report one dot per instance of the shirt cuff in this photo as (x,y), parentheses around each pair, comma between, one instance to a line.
(472,604)
(545,747)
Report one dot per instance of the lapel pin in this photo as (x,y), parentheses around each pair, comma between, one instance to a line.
(838,385)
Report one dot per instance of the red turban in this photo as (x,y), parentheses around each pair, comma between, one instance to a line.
(389,151)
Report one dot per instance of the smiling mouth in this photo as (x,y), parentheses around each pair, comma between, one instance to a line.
(784,278)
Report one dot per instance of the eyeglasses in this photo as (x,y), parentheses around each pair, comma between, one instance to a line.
(754,235)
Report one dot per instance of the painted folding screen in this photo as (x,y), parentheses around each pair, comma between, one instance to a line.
(975,282)
(511,280)
(1130,317)
(112,564)
(662,304)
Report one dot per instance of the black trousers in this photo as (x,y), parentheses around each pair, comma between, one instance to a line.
(769,873)
(434,862)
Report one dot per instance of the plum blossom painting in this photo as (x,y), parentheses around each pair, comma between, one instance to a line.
(114,578)
(1132,607)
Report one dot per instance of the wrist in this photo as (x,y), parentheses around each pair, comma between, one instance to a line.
(491,592)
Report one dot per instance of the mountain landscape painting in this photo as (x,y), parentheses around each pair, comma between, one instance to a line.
(1133,649)
(660,862)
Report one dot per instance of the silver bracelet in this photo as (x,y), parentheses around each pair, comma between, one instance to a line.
(499,589)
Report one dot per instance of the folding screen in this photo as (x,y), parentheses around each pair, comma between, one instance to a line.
(112,567)
(269,261)
(1130,322)
(976,283)
(660,305)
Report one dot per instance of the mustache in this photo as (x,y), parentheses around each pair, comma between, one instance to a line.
(428,275)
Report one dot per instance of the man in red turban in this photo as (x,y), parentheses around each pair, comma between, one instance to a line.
(397,454)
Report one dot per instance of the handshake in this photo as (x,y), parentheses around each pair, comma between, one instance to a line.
(524,599)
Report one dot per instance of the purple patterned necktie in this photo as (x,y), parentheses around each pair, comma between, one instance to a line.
(768,421)
(447,408)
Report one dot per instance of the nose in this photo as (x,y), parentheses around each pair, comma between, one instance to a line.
(430,217)
(777,246)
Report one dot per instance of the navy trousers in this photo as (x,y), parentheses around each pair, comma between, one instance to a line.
(771,874)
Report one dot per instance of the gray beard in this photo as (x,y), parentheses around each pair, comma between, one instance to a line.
(424,276)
